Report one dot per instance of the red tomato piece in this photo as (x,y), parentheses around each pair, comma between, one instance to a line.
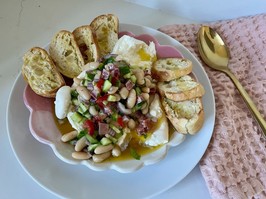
(89,125)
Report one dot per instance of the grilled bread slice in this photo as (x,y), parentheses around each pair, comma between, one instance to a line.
(171,68)
(66,54)
(187,116)
(183,88)
(40,72)
(87,43)
(106,29)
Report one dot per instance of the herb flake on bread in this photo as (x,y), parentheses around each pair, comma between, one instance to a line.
(186,116)
(183,88)
(171,68)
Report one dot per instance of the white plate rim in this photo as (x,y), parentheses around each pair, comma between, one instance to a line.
(203,78)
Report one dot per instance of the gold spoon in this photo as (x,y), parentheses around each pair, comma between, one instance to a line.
(215,54)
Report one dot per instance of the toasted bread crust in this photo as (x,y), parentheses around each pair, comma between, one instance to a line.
(87,43)
(181,89)
(171,68)
(40,73)
(66,54)
(182,123)
(106,29)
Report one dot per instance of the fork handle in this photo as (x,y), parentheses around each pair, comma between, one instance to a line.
(249,102)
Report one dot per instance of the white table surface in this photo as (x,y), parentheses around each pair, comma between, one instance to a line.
(28,23)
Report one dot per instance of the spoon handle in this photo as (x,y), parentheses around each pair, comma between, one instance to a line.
(249,102)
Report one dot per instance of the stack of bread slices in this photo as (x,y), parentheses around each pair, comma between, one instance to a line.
(68,53)
(181,94)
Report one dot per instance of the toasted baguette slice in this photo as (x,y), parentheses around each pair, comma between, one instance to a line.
(87,43)
(183,88)
(187,116)
(106,29)
(66,54)
(171,68)
(40,72)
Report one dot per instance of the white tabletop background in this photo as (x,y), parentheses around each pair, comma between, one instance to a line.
(28,23)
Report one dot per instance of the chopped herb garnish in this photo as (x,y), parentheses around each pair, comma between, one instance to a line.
(134,153)
(82,133)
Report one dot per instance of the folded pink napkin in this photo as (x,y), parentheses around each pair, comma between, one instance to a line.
(234,165)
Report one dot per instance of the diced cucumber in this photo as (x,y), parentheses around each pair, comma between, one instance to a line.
(91,147)
(111,98)
(105,141)
(115,128)
(76,117)
(87,115)
(106,85)
(127,76)
(133,78)
(114,140)
(82,108)
(138,90)
(75,101)
(114,116)
(91,139)
(85,82)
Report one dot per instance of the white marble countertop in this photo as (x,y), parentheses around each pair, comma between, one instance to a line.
(28,23)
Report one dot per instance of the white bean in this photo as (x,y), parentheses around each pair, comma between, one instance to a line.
(140,76)
(101,157)
(116,151)
(118,97)
(132,97)
(123,92)
(145,110)
(76,81)
(103,148)
(90,66)
(146,96)
(81,143)
(131,124)
(145,89)
(123,109)
(83,92)
(113,90)
(69,136)
(81,155)
(93,111)
(147,82)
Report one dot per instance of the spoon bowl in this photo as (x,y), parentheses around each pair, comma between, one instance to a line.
(212,48)
(216,55)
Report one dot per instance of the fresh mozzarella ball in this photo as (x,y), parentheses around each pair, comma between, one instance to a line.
(62,102)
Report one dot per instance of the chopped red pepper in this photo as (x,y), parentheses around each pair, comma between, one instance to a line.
(114,80)
(100,83)
(120,121)
(89,125)
(100,101)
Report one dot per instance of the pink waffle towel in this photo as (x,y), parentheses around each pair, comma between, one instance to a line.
(234,164)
